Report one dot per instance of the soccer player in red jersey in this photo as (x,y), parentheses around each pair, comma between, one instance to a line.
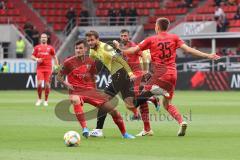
(163,48)
(133,61)
(43,55)
(80,71)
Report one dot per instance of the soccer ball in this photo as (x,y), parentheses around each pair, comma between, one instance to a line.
(71,139)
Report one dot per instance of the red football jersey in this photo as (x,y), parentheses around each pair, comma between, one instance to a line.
(80,72)
(133,59)
(163,49)
(46,52)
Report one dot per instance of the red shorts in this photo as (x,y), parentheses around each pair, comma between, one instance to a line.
(90,96)
(166,82)
(44,75)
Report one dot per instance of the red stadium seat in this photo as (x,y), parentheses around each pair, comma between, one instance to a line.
(149,27)
(9,5)
(58,27)
(234,23)
(3,20)
(13,12)
(234,29)
(143,12)
(2,12)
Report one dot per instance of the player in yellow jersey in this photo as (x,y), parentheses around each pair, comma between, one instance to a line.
(120,71)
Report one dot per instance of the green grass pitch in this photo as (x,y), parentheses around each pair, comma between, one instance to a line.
(35,133)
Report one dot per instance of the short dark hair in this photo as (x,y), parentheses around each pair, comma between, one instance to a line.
(92,33)
(81,41)
(163,23)
(124,31)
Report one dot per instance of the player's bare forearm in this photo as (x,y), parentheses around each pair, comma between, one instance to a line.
(198,53)
(145,61)
(130,50)
(56,60)
(33,58)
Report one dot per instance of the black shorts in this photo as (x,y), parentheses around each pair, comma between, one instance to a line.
(120,83)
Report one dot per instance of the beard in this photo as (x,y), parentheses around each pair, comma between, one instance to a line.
(124,42)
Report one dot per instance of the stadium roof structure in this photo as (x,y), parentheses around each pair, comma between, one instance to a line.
(212,35)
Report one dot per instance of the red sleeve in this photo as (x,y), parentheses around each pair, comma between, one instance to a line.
(145,44)
(65,69)
(179,42)
(139,53)
(53,52)
(34,52)
(93,69)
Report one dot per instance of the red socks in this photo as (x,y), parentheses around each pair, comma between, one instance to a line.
(172,110)
(47,90)
(145,116)
(78,109)
(39,90)
(118,120)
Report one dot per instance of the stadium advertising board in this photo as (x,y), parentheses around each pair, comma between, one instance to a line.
(218,81)
(20,65)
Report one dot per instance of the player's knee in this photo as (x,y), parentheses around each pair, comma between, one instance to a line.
(75,100)
(165,102)
(129,102)
(39,83)
(47,85)
(113,113)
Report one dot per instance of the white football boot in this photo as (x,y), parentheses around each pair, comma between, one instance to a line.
(96,133)
(45,103)
(38,103)
(145,133)
(182,129)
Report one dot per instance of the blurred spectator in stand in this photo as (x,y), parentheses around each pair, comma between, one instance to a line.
(220,27)
(112,13)
(28,29)
(186,3)
(48,32)
(2,5)
(238,50)
(5,68)
(84,15)
(122,15)
(132,14)
(219,52)
(230,52)
(231,2)
(220,18)
(237,15)
(20,48)
(218,2)
(35,36)
(71,17)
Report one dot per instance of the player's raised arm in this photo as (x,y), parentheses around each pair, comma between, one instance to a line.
(198,53)
(130,50)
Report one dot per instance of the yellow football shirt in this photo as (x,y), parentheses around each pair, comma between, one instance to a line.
(105,54)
